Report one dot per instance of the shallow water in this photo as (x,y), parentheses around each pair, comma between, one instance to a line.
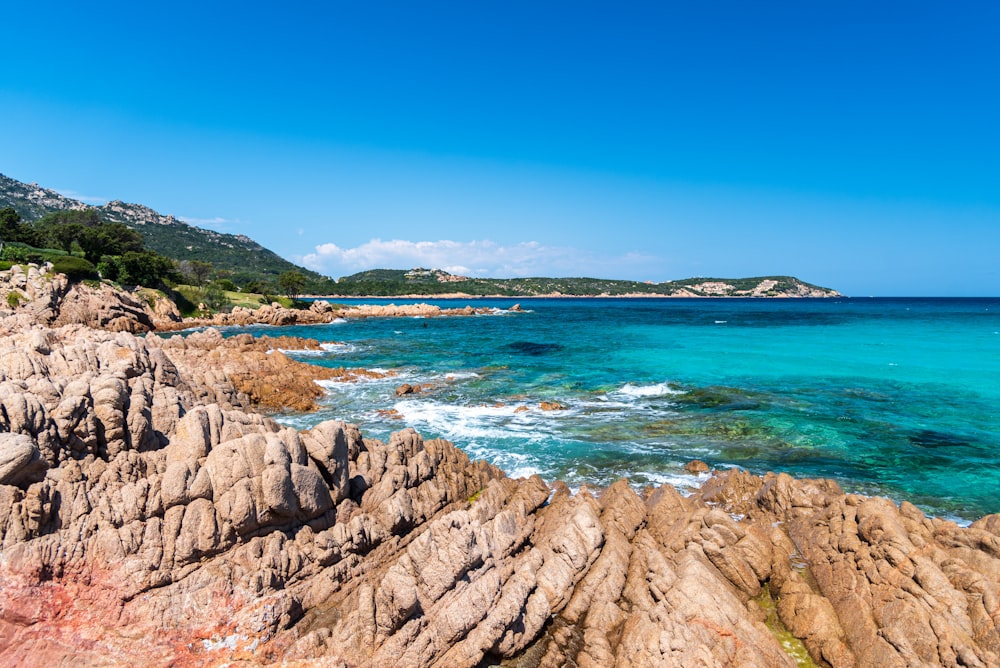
(889,396)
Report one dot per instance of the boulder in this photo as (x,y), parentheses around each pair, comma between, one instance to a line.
(21,462)
(696,466)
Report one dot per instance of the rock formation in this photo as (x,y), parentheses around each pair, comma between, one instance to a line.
(149,517)
(319,312)
(39,296)
(243,371)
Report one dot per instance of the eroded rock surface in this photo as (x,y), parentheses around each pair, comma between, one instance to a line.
(149,517)
(242,371)
(32,294)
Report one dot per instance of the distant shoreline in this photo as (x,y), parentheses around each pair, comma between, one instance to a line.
(462,295)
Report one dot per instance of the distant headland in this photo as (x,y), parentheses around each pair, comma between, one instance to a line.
(420,283)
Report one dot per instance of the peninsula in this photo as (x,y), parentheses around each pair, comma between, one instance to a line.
(419,282)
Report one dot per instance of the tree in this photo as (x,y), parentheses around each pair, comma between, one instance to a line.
(109,239)
(12,228)
(214,298)
(256,286)
(197,270)
(291,283)
(146,268)
(10,223)
(225,285)
(60,228)
(85,231)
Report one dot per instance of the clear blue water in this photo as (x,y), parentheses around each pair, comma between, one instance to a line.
(897,397)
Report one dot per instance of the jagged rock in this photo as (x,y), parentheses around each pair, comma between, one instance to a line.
(45,298)
(141,497)
(242,371)
(161,308)
(321,306)
(103,307)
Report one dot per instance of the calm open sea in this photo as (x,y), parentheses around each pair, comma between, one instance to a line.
(899,397)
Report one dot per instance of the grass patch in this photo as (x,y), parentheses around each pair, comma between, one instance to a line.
(793,646)
(189,297)
(254,300)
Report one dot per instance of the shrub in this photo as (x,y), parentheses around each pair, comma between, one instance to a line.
(255,286)
(226,285)
(19,252)
(186,297)
(215,298)
(75,268)
(13,299)
(110,268)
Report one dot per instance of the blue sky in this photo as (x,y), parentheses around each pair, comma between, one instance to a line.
(852,144)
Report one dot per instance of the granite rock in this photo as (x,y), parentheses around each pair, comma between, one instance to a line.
(150,516)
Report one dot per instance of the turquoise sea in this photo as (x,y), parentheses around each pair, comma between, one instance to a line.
(897,397)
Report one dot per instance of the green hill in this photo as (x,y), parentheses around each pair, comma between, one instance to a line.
(242,257)
(429,282)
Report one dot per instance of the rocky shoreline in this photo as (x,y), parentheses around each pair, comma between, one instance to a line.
(319,312)
(151,515)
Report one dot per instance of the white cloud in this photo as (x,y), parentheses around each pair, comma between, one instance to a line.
(482,258)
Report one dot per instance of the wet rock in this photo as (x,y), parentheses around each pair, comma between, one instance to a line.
(696,466)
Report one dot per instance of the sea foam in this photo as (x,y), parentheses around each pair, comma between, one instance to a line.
(643,391)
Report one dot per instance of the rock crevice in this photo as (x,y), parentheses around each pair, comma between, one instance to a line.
(141,497)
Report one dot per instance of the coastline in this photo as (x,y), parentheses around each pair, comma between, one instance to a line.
(555,295)
(143,495)
(320,312)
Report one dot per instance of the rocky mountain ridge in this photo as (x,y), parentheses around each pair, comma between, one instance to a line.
(165,234)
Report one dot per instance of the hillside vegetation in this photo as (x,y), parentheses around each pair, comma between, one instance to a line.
(236,263)
(232,256)
(429,282)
